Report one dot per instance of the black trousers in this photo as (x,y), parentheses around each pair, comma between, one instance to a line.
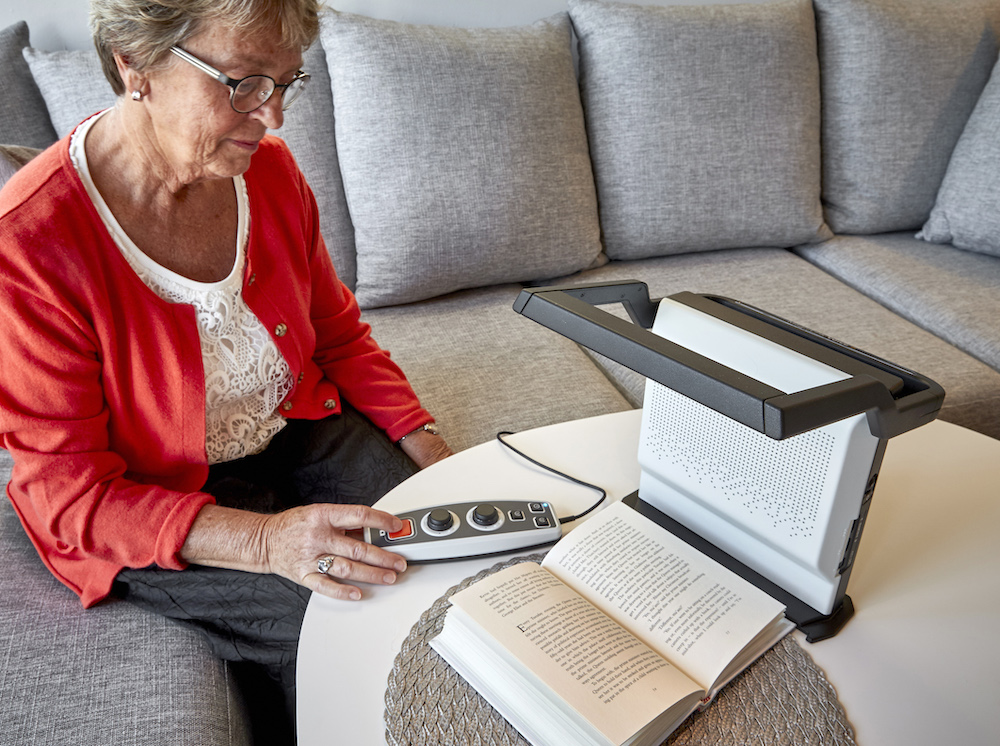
(253,620)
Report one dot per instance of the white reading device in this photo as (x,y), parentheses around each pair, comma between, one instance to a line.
(761,441)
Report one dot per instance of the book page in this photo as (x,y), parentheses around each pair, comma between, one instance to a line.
(696,613)
(600,670)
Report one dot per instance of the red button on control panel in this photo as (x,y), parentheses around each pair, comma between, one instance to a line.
(405,532)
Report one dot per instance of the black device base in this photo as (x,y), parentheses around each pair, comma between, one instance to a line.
(814,624)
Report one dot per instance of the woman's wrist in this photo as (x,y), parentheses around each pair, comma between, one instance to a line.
(430,427)
(227,537)
(424,447)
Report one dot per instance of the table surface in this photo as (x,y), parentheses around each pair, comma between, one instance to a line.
(918,664)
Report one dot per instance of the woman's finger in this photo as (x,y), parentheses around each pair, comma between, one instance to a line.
(327,586)
(343,568)
(355,517)
(362,562)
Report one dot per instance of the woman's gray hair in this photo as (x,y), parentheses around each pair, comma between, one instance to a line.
(142,31)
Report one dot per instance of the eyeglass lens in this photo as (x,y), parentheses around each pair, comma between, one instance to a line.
(254,92)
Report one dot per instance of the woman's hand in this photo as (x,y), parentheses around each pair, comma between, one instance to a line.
(291,543)
(294,541)
(425,448)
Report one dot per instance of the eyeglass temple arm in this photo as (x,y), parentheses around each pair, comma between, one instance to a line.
(204,67)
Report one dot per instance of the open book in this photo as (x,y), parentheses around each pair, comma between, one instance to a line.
(620,634)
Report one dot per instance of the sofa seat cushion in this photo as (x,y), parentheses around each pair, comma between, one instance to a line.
(479,367)
(24,120)
(464,155)
(782,283)
(967,211)
(113,674)
(949,292)
(703,123)
(899,80)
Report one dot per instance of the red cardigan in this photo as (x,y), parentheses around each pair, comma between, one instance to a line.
(102,388)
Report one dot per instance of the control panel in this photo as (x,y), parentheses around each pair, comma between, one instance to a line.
(459,530)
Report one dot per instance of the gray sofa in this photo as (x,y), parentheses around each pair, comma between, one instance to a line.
(786,154)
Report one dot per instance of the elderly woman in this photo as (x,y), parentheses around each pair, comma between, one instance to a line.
(197,415)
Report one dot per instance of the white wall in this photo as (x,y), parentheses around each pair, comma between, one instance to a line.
(54,24)
(62,24)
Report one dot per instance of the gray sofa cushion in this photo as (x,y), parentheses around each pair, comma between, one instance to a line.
(949,292)
(120,675)
(463,153)
(24,120)
(479,367)
(309,132)
(703,124)
(967,210)
(72,84)
(900,78)
(778,281)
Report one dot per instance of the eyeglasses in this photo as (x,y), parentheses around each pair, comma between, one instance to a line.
(250,93)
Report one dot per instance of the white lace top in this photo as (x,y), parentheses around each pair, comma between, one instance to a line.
(246,377)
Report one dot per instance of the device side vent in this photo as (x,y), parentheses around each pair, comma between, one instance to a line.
(777,485)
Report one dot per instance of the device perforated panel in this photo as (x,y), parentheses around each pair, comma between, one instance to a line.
(777,485)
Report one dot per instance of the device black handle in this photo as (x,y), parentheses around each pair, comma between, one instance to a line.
(570,310)
(632,294)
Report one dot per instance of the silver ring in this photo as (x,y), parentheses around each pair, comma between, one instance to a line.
(324,564)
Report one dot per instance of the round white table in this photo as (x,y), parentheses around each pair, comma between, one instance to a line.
(918,664)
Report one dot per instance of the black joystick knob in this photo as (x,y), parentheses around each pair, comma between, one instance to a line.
(440,520)
(485,515)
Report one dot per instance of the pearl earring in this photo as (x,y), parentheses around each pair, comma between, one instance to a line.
(136,95)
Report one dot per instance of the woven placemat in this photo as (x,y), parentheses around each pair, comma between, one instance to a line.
(783,698)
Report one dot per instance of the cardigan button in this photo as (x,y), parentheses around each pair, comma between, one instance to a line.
(280,330)
(302,375)
(330,404)
(286,405)
(252,280)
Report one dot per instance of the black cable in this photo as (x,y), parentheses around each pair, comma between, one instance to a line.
(567,519)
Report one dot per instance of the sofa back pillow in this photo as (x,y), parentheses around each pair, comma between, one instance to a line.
(900,78)
(72,84)
(309,131)
(967,210)
(703,124)
(463,153)
(24,120)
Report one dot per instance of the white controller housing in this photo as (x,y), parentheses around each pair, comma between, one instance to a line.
(459,530)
